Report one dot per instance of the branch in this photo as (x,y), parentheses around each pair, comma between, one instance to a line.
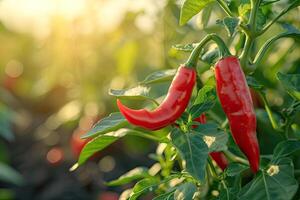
(291,6)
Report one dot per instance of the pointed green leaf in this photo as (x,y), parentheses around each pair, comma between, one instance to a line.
(134,174)
(159,76)
(5,124)
(211,56)
(231,25)
(193,150)
(190,8)
(291,82)
(235,169)
(286,148)
(204,101)
(185,191)
(10,175)
(137,93)
(110,123)
(253,83)
(99,143)
(267,2)
(166,196)
(143,186)
(184,47)
(277,182)
(215,138)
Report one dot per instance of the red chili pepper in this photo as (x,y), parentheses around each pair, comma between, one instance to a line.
(171,108)
(236,102)
(218,157)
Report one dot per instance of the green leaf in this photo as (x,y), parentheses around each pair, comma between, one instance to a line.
(134,174)
(267,2)
(215,138)
(100,142)
(261,19)
(185,191)
(5,124)
(229,193)
(137,93)
(243,10)
(286,148)
(125,194)
(204,101)
(143,186)
(275,183)
(10,175)
(293,5)
(291,82)
(160,76)
(190,8)
(235,169)
(211,56)
(253,83)
(231,24)
(290,28)
(205,16)
(184,47)
(111,123)
(166,196)
(193,150)
(244,13)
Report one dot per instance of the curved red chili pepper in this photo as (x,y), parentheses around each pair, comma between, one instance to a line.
(218,157)
(235,98)
(170,109)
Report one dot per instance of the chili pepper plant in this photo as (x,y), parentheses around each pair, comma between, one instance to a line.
(211,142)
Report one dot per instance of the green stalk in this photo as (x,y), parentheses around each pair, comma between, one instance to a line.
(250,36)
(244,57)
(252,20)
(225,8)
(194,57)
(235,158)
(212,169)
(291,6)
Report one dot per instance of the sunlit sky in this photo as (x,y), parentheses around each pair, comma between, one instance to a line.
(34,16)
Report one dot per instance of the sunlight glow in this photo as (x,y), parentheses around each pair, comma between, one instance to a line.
(31,16)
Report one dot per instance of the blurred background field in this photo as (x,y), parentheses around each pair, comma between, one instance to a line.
(58,58)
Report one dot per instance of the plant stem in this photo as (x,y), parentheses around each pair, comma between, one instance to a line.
(225,187)
(193,59)
(291,6)
(250,36)
(287,128)
(269,112)
(252,20)
(212,169)
(225,123)
(225,8)
(235,158)
(245,55)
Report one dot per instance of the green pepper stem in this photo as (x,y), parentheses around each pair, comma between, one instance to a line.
(235,158)
(193,59)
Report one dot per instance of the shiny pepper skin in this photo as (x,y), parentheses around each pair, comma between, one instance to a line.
(170,109)
(218,157)
(235,98)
